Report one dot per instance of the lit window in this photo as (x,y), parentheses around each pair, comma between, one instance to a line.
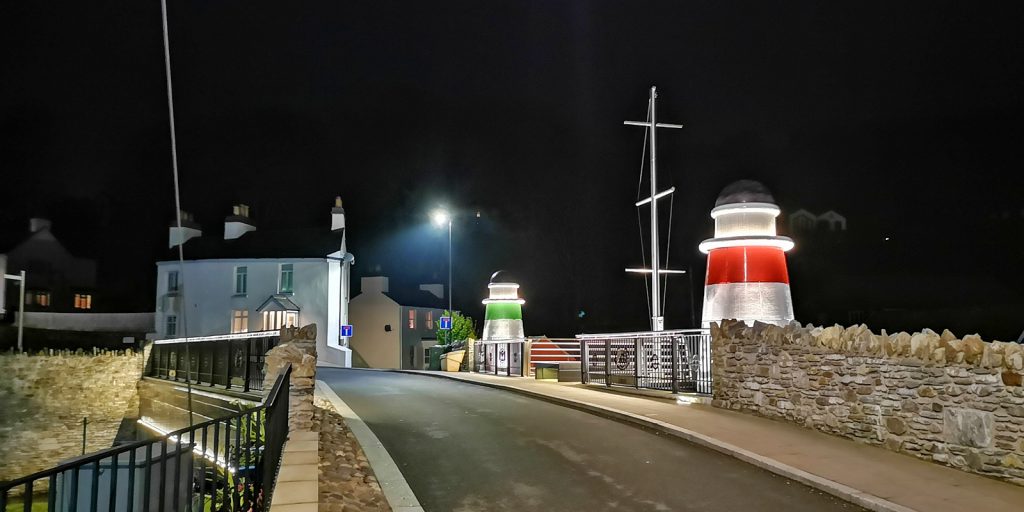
(287,271)
(275,320)
(83,301)
(239,321)
(172,281)
(41,298)
(412,318)
(172,325)
(430,320)
(241,280)
(28,298)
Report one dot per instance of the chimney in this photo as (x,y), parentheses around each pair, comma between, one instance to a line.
(337,215)
(189,230)
(378,284)
(37,224)
(238,223)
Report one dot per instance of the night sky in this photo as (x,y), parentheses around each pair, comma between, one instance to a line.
(905,117)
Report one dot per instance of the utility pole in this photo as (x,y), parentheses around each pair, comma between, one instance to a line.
(657,319)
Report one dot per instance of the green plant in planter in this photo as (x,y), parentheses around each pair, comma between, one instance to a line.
(463,328)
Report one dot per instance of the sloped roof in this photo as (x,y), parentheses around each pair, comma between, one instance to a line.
(281,243)
(278,302)
(416,298)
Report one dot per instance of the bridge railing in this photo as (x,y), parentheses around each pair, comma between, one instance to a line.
(674,361)
(229,360)
(225,464)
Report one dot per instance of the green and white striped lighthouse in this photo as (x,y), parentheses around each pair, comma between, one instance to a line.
(503,318)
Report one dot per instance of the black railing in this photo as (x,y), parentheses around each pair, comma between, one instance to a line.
(226,464)
(669,360)
(499,357)
(215,360)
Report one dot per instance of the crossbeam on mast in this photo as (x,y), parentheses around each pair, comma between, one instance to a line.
(658,196)
(648,271)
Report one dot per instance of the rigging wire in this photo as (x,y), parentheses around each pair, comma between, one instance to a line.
(639,221)
(668,247)
(177,205)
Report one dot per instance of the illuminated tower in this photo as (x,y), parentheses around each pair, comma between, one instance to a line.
(747,277)
(503,317)
(503,320)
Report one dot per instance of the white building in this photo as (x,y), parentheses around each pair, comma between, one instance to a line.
(252,280)
(394,329)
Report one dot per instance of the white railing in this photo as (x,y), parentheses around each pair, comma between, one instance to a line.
(554,351)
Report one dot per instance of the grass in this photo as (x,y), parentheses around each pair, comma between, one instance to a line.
(18,504)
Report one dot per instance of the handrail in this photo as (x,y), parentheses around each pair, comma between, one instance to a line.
(642,334)
(117,450)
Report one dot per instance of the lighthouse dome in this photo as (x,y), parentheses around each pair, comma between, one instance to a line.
(502,276)
(744,191)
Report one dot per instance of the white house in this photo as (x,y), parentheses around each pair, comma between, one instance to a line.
(394,329)
(255,280)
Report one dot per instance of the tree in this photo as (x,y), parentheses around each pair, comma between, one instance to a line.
(463,328)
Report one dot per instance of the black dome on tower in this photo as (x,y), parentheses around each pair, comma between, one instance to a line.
(744,191)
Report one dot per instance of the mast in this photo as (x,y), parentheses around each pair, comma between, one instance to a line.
(657,319)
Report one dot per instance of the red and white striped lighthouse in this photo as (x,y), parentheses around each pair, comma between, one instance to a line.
(747,277)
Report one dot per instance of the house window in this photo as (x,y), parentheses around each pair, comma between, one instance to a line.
(39,298)
(241,280)
(287,271)
(275,320)
(172,281)
(83,301)
(430,320)
(240,321)
(412,318)
(172,325)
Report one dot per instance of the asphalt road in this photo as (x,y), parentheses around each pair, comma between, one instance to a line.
(463,447)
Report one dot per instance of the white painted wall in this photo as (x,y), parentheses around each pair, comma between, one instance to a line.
(208,297)
(109,322)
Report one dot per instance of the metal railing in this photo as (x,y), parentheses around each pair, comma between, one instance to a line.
(225,464)
(553,351)
(503,357)
(227,360)
(668,360)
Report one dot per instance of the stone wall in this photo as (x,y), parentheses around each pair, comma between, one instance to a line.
(953,401)
(297,347)
(43,398)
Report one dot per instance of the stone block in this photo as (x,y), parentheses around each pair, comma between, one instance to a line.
(967,427)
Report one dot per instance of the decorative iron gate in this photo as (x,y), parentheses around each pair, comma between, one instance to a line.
(668,360)
(499,357)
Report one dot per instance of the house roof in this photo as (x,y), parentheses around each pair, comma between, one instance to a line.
(416,298)
(278,302)
(282,243)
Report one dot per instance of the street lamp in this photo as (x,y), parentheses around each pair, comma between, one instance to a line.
(441,217)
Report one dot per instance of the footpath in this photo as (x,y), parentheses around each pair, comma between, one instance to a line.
(869,476)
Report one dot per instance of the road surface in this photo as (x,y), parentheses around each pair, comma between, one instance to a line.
(467,448)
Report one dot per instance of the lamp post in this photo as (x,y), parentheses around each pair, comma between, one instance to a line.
(440,218)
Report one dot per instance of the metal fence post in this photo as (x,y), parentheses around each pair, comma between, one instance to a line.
(674,344)
(636,362)
(584,363)
(248,348)
(607,360)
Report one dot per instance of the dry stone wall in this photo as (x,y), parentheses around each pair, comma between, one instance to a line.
(953,401)
(298,348)
(43,398)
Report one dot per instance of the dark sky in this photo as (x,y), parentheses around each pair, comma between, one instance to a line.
(905,117)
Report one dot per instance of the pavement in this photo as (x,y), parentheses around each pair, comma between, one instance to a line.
(465,447)
(870,476)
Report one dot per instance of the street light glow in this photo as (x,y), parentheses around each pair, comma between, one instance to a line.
(440,217)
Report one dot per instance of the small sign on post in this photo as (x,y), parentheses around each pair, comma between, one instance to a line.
(346,331)
(446,323)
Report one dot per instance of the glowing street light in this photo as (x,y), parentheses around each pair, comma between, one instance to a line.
(440,217)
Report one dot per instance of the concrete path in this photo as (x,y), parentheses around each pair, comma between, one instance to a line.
(465,447)
(869,471)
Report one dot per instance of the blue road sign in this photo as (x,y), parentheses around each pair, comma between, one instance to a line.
(446,323)
(346,331)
